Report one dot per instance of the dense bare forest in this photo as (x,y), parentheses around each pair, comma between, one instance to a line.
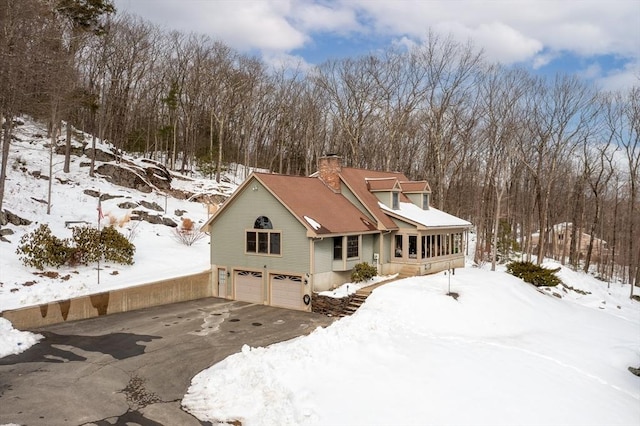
(510,151)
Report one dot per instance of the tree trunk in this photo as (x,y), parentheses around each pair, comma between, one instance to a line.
(67,149)
(6,143)
(496,224)
(220,135)
(54,138)
(587,260)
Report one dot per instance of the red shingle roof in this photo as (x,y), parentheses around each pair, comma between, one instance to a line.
(415,186)
(382,184)
(356,180)
(308,197)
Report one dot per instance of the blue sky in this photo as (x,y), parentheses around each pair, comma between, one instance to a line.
(596,39)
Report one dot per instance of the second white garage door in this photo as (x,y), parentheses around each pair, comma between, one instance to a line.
(248,286)
(287,291)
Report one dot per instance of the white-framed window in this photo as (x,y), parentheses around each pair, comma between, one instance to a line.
(263,242)
(425,201)
(353,247)
(263,239)
(337,248)
(395,200)
(398,251)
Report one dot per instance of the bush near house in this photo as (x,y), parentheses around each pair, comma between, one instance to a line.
(41,248)
(534,274)
(362,272)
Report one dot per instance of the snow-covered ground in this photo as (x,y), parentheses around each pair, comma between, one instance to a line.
(503,353)
(159,255)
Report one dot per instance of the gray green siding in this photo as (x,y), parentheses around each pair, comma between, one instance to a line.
(228,233)
(346,192)
(323,255)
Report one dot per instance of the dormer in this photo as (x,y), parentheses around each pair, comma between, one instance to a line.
(418,192)
(386,190)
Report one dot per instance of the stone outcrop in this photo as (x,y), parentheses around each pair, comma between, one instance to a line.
(126,176)
(330,306)
(151,206)
(14,219)
(155,219)
(101,155)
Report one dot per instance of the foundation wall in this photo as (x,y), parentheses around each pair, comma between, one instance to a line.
(179,289)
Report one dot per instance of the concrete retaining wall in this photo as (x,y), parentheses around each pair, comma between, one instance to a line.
(179,289)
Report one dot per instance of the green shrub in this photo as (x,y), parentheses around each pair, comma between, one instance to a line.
(115,247)
(87,245)
(41,248)
(363,272)
(534,274)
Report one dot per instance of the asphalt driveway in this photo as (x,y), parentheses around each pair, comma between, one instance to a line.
(135,367)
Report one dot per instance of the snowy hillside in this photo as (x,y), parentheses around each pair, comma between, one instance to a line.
(503,353)
(74,199)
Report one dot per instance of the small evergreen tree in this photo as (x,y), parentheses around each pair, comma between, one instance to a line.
(534,274)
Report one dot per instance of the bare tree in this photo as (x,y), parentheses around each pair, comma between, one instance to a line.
(623,120)
(351,92)
(557,119)
(500,94)
(452,71)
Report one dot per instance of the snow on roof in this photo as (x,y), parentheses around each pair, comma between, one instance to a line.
(315,225)
(432,218)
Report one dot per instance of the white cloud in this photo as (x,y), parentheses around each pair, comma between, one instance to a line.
(543,59)
(526,31)
(245,25)
(505,44)
(279,60)
(621,79)
(320,17)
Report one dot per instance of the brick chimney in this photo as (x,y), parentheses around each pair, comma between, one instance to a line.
(329,168)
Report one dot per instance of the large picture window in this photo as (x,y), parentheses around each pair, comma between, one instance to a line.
(263,240)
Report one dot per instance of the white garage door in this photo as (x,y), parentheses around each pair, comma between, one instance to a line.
(287,291)
(248,286)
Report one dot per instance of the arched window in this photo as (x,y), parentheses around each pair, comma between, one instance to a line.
(262,222)
(265,242)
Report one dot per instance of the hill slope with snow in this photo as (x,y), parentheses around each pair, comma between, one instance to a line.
(503,353)
(74,198)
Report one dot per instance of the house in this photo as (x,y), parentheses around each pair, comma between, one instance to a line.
(278,239)
(558,243)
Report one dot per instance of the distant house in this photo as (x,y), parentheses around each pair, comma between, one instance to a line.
(558,242)
(278,239)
